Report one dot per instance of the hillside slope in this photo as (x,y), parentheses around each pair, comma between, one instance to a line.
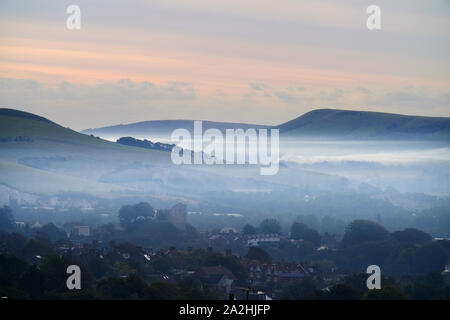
(40,156)
(347,124)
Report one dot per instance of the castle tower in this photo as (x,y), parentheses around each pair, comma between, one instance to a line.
(177,216)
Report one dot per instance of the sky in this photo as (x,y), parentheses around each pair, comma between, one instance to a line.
(254,61)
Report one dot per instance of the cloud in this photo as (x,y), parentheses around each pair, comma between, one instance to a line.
(124,90)
(409,99)
(258,86)
(287,97)
(82,106)
(299,95)
(412,99)
(364,90)
(333,96)
(68,102)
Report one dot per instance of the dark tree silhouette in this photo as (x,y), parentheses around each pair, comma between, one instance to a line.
(7,221)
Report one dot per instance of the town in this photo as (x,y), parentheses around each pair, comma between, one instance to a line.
(156,254)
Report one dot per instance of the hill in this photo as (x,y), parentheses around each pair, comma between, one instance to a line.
(162,128)
(39,130)
(49,159)
(40,156)
(317,124)
(345,124)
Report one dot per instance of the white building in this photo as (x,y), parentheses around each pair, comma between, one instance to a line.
(82,230)
(256,239)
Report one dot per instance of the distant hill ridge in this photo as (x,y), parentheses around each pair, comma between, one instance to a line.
(164,127)
(320,123)
(366,124)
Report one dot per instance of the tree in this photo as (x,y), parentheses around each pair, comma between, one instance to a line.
(53,232)
(339,292)
(161,264)
(248,229)
(144,209)
(302,231)
(162,291)
(270,226)
(129,214)
(7,221)
(431,286)
(32,280)
(308,219)
(255,253)
(114,288)
(412,236)
(297,291)
(156,233)
(12,266)
(359,281)
(11,243)
(360,231)
(137,284)
(385,293)
(34,247)
(428,258)
(54,270)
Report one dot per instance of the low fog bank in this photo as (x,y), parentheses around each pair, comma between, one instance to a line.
(399,184)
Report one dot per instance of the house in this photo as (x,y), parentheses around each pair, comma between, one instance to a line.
(20,224)
(36,225)
(260,273)
(256,239)
(259,295)
(228,230)
(289,272)
(81,231)
(217,278)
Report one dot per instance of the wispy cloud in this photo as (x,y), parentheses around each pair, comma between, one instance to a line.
(247,60)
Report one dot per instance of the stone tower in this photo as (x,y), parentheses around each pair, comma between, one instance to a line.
(177,216)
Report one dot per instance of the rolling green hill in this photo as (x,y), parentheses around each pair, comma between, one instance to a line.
(18,128)
(345,124)
(40,156)
(15,123)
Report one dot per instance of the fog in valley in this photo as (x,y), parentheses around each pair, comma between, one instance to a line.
(328,183)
